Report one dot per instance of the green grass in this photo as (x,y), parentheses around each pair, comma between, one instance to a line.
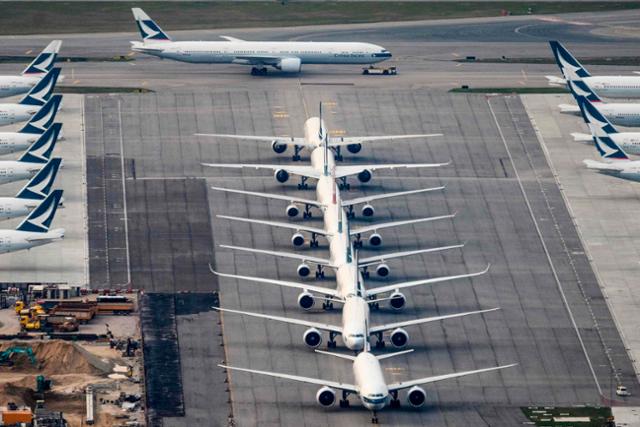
(47,17)
(612,60)
(521,90)
(100,89)
(598,415)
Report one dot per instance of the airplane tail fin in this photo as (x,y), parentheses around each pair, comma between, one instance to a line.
(42,120)
(41,92)
(39,220)
(597,121)
(149,30)
(40,151)
(569,66)
(580,88)
(43,63)
(40,185)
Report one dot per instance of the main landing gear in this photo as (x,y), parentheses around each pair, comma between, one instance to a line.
(344,402)
(259,71)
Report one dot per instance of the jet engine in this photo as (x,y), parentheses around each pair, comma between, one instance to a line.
(416,396)
(383,270)
(375,239)
(399,338)
(326,396)
(304,270)
(364,176)
(367,210)
(282,175)
(397,300)
(354,148)
(292,211)
(312,338)
(289,65)
(278,148)
(306,301)
(297,239)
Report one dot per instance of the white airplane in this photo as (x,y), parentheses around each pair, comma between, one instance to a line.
(31,103)
(370,384)
(11,142)
(33,159)
(284,56)
(607,86)
(34,192)
(41,65)
(34,230)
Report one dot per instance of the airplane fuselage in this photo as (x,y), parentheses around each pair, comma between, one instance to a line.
(16,113)
(11,171)
(14,240)
(372,387)
(17,85)
(12,142)
(615,86)
(617,113)
(12,207)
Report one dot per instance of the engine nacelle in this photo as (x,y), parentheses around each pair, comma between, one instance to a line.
(375,239)
(297,239)
(326,396)
(292,211)
(278,148)
(397,300)
(290,65)
(354,148)
(281,175)
(383,270)
(312,338)
(306,301)
(368,210)
(399,338)
(304,270)
(416,396)
(364,176)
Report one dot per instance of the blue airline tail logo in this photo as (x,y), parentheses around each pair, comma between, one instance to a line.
(39,220)
(608,149)
(594,117)
(41,92)
(149,30)
(569,65)
(40,151)
(40,185)
(580,88)
(44,117)
(43,63)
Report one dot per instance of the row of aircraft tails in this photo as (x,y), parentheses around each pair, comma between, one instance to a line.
(602,118)
(356,324)
(37,201)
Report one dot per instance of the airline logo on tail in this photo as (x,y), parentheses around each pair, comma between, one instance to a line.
(40,151)
(594,118)
(40,185)
(608,149)
(570,67)
(148,29)
(580,89)
(41,92)
(44,62)
(39,220)
(44,117)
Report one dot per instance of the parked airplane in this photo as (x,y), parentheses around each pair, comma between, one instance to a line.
(370,384)
(11,142)
(284,56)
(608,86)
(34,230)
(41,65)
(30,196)
(33,159)
(31,103)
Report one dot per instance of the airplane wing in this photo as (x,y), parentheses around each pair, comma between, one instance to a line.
(556,81)
(333,384)
(291,226)
(317,325)
(429,380)
(271,196)
(231,39)
(317,289)
(342,171)
(296,170)
(287,140)
(382,225)
(366,262)
(341,141)
(367,199)
(432,281)
(604,167)
(303,258)
(389,326)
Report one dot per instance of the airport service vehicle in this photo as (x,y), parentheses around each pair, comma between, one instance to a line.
(30,196)
(607,86)
(370,384)
(622,391)
(31,103)
(33,159)
(380,71)
(34,230)
(41,65)
(284,56)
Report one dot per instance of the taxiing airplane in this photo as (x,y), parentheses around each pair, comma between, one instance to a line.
(607,86)
(370,384)
(31,103)
(284,56)
(34,230)
(41,65)
(11,142)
